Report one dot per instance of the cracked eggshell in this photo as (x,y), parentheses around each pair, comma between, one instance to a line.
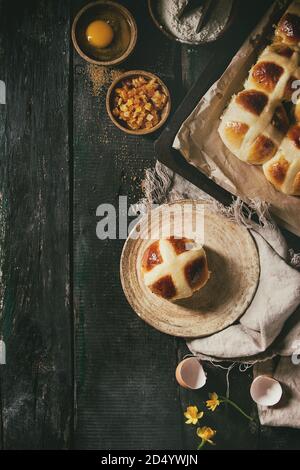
(190,374)
(266,391)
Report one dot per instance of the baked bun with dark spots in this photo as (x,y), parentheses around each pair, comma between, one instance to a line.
(261,125)
(288,29)
(283,171)
(175,268)
(255,122)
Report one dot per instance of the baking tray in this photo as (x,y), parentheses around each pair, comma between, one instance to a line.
(173,158)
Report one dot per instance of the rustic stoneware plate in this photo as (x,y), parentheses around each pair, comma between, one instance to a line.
(232,258)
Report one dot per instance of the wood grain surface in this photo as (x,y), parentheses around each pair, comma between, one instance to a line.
(36,383)
(126,392)
(60,158)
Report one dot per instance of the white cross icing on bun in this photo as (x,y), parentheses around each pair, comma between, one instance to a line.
(261,125)
(175,268)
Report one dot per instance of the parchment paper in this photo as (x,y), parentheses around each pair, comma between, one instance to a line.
(199,142)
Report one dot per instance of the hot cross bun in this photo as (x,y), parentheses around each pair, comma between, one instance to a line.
(174,268)
(256,127)
(288,29)
(283,171)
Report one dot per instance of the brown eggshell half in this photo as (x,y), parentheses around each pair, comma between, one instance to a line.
(266,391)
(190,374)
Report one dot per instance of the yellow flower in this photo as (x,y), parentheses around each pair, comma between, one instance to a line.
(206,434)
(193,415)
(213,401)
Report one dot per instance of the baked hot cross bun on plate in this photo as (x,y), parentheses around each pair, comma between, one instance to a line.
(174,268)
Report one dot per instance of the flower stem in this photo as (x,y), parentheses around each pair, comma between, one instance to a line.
(201,445)
(226,400)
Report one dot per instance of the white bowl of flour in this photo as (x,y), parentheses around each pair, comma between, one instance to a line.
(164,14)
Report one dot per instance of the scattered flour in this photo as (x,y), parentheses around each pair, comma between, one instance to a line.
(185,30)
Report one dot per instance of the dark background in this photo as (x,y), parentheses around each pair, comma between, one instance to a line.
(83,370)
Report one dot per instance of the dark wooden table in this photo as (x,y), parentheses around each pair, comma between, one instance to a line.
(83,370)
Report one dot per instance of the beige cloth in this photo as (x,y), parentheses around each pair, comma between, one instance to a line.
(287,412)
(270,328)
(264,332)
(276,299)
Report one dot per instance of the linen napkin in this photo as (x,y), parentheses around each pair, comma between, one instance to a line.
(276,299)
(271,325)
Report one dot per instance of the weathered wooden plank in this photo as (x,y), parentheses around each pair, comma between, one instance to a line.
(126,392)
(36,383)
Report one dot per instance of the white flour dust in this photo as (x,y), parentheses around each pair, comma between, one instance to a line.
(185,29)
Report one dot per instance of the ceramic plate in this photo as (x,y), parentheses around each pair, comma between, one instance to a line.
(232,258)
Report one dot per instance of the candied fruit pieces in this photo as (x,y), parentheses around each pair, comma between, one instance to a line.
(139,102)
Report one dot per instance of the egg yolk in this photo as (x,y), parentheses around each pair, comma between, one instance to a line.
(99,34)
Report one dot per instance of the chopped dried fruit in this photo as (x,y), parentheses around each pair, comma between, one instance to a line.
(139,102)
